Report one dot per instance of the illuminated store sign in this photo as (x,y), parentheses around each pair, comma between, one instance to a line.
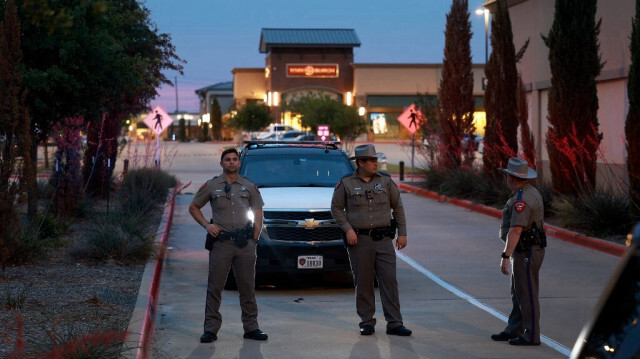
(312,70)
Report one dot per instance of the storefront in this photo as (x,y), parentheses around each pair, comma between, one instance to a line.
(302,61)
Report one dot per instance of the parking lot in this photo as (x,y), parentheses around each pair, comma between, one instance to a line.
(452,294)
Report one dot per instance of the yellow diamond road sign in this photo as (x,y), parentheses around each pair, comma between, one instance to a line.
(158,120)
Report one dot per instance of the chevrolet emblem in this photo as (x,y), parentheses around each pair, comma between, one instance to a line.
(308,223)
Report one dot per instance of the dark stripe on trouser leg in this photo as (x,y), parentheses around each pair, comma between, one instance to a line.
(531,301)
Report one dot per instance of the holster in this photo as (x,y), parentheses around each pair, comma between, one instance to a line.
(209,239)
(531,237)
(240,237)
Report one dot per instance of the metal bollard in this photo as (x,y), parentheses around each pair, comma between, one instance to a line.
(401,170)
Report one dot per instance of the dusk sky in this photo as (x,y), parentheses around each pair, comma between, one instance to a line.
(216,36)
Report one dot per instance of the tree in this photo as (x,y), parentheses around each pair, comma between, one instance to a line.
(574,57)
(87,58)
(251,117)
(501,132)
(526,137)
(320,109)
(632,124)
(216,120)
(14,133)
(455,94)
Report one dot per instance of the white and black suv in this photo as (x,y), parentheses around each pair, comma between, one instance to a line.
(296,180)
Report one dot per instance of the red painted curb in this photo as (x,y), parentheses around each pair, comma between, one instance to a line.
(146,331)
(553,231)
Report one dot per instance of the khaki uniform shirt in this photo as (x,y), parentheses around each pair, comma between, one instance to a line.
(522,211)
(364,205)
(230,210)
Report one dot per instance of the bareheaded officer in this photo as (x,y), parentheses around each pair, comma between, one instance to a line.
(363,204)
(523,233)
(231,241)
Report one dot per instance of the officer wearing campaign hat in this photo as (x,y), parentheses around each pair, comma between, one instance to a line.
(523,233)
(363,204)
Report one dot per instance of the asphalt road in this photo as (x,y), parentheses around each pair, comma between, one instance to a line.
(452,293)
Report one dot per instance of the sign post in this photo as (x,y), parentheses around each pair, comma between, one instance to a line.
(158,120)
(323,132)
(412,119)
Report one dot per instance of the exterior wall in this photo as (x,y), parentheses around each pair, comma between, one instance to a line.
(276,62)
(402,79)
(532,18)
(248,84)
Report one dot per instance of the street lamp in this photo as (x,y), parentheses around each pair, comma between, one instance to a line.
(486,33)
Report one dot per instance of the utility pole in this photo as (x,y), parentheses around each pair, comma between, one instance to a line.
(176,94)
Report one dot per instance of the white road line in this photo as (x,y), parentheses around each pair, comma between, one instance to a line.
(459,293)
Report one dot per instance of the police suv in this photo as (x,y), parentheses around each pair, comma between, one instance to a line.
(296,181)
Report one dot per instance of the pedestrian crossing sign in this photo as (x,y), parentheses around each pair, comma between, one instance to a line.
(158,120)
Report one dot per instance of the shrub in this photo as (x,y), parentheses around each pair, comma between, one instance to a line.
(144,189)
(29,246)
(460,183)
(15,301)
(91,345)
(121,235)
(52,226)
(597,213)
(45,190)
(492,191)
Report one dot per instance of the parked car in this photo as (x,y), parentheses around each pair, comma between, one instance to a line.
(296,181)
(614,330)
(478,142)
(283,136)
(310,136)
(272,129)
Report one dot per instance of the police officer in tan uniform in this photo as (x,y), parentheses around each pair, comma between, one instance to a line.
(523,233)
(362,205)
(232,198)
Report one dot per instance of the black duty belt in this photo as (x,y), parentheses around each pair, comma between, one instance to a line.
(375,233)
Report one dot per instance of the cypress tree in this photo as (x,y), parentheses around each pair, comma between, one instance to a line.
(526,137)
(574,57)
(216,120)
(501,132)
(455,94)
(632,125)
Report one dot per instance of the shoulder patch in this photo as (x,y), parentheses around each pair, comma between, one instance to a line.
(203,186)
(384,173)
(519,206)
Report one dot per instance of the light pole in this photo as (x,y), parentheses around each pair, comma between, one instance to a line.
(486,33)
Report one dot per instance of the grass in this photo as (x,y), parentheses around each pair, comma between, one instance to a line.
(15,301)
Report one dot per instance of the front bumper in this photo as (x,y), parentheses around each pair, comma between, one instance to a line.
(283,257)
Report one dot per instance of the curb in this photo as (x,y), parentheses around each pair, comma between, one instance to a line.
(550,230)
(151,296)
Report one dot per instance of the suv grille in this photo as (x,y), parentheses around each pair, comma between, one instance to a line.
(299,216)
(307,235)
(285,226)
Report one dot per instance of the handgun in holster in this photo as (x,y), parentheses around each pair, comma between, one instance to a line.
(532,236)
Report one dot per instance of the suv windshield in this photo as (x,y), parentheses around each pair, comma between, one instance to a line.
(295,170)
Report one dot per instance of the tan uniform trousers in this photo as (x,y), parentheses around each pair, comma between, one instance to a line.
(524,319)
(370,260)
(225,255)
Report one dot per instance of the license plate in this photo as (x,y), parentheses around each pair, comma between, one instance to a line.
(309,262)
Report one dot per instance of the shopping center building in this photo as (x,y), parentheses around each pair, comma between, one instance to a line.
(321,61)
(298,61)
